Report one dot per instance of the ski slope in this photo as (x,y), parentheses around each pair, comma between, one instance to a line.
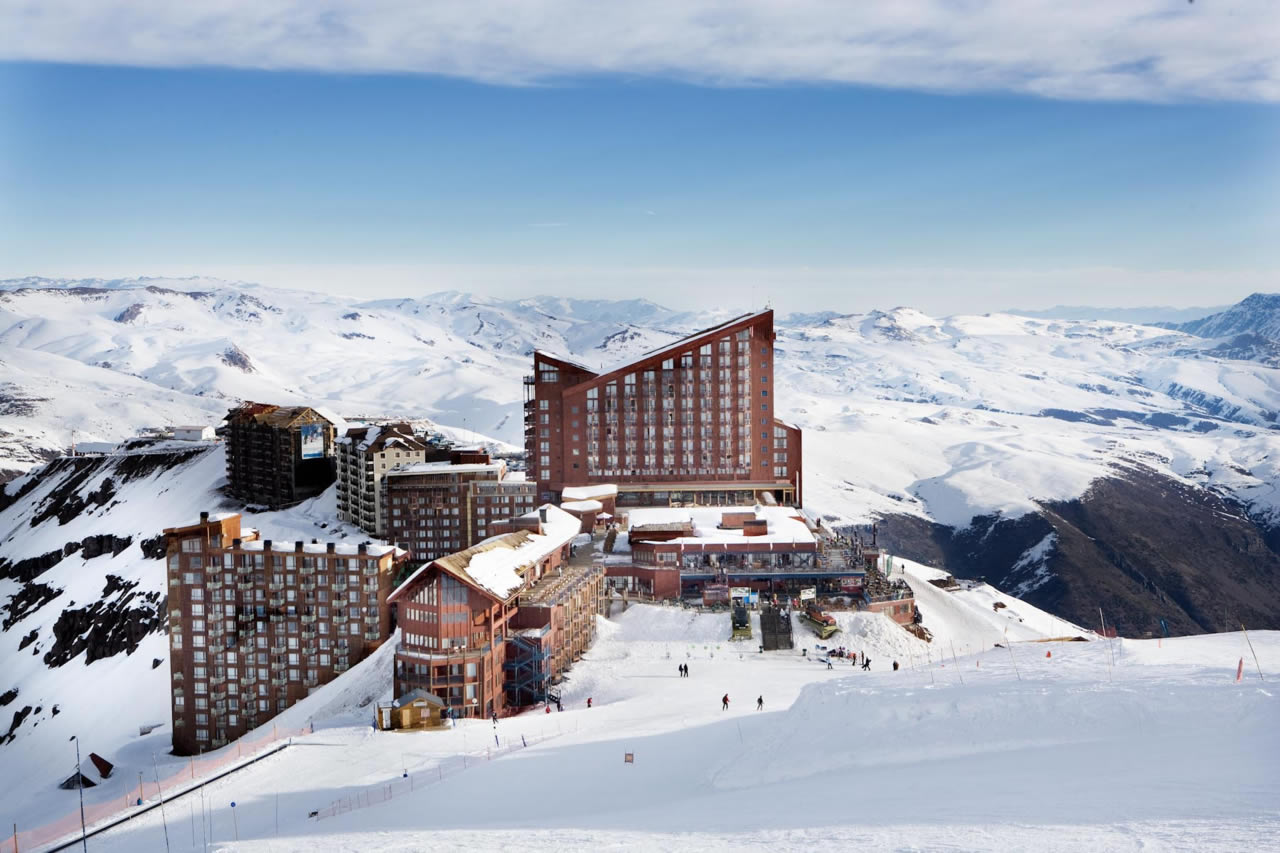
(999,748)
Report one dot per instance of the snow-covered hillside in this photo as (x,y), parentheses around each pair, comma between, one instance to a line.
(1027,745)
(934,426)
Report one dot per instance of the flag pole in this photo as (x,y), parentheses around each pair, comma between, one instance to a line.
(1252,652)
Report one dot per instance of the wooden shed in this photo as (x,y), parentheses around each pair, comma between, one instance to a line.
(417,709)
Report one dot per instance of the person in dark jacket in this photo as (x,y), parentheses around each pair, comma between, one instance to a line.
(895,666)
(724,703)
(866,662)
(760,703)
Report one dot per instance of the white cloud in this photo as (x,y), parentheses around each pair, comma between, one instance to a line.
(1080,49)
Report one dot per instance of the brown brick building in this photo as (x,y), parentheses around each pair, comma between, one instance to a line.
(690,423)
(441,507)
(279,456)
(488,628)
(255,625)
(364,455)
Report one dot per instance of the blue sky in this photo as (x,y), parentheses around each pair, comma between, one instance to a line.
(809,191)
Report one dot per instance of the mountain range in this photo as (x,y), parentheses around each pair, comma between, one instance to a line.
(1077,463)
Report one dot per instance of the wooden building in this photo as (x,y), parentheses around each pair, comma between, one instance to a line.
(417,709)
(458,614)
(278,456)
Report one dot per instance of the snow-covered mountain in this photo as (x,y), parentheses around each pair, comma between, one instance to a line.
(1258,314)
(1006,446)
(1147,315)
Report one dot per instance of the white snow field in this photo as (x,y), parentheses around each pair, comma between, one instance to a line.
(998,748)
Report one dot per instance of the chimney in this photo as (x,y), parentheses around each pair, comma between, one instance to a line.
(204,517)
(235,543)
(266,544)
(328,547)
(542,514)
(361,548)
(297,546)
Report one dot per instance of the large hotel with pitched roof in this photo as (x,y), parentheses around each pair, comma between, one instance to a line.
(690,423)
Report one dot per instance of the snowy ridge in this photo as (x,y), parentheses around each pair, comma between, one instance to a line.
(945,418)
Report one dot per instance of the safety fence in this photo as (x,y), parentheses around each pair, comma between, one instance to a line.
(372,795)
(151,784)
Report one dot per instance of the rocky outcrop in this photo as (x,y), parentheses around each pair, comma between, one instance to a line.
(1141,546)
(18,717)
(104,629)
(30,598)
(235,357)
(131,313)
(32,567)
(154,547)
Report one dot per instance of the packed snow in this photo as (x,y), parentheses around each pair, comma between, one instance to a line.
(1034,744)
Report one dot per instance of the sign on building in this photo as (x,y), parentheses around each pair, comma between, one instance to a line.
(808,593)
(739,591)
(312,441)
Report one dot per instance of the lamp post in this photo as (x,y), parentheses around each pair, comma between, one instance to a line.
(84,837)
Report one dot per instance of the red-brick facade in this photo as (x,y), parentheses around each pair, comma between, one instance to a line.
(692,422)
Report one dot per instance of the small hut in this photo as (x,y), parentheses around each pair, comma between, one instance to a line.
(416,709)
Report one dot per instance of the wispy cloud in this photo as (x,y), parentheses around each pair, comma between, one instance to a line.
(1082,49)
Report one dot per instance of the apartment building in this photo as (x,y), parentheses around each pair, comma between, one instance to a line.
(278,456)
(441,507)
(255,625)
(364,455)
(508,615)
(691,423)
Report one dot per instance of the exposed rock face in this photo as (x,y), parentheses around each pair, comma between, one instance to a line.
(107,628)
(1141,546)
(130,314)
(32,567)
(233,356)
(30,598)
(153,548)
(18,717)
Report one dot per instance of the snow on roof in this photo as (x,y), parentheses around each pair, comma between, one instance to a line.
(95,446)
(446,468)
(339,423)
(785,525)
(564,359)
(342,549)
(586,493)
(498,565)
(582,506)
(192,426)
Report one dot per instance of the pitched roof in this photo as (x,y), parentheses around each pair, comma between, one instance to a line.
(414,695)
(498,565)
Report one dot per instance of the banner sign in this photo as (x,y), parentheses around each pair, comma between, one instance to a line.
(312,441)
(808,593)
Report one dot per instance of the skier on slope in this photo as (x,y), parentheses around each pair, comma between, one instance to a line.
(760,703)
(724,703)
(866,662)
